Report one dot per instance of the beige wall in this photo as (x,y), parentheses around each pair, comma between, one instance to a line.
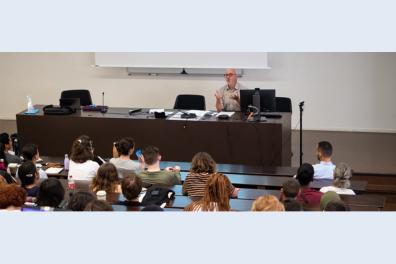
(342,91)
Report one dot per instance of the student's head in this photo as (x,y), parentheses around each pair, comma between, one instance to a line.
(51,193)
(82,149)
(292,205)
(290,189)
(5,140)
(125,146)
(79,201)
(11,195)
(202,162)
(151,155)
(30,152)
(324,150)
(336,205)
(106,178)
(305,174)
(98,205)
(217,193)
(231,78)
(267,203)
(328,197)
(342,175)
(28,174)
(131,186)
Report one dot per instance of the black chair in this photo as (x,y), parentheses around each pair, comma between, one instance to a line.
(190,102)
(84,95)
(283,104)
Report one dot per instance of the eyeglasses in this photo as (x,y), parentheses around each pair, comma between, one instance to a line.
(229,75)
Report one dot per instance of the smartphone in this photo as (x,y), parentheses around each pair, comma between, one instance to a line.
(138,153)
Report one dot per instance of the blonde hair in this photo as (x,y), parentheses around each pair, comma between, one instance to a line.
(267,203)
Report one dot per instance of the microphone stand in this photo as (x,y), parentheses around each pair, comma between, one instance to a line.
(301,105)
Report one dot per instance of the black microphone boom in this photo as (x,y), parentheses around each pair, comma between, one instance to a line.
(301,105)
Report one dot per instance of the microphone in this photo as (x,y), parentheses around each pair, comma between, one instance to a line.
(301,105)
(103,109)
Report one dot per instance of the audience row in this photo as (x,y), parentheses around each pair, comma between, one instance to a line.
(210,190)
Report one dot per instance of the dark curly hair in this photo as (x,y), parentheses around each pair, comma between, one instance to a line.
(11,195)
(82,149)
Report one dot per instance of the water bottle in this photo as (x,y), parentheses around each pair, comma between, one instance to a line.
(71,185)
(66,162)
(30,107)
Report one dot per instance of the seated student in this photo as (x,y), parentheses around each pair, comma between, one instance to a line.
(12,197)
(79,201)
(216,195)
(202,166)
(29,177)
(98,205)
(131,186)
(341,182)
(30,152)
(81,166)
(324,170)
(125,149)
(290,190)
(288,194)
(338,206)
(292,206)
(153,174)
(51,193)
(267,203)
(6,147)
(106,179)
(4,172)
(327,198)
(310,198)
(4,169)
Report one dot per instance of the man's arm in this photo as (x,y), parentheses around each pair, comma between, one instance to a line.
(219,104)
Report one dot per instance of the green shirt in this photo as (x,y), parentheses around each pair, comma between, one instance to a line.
(161,177)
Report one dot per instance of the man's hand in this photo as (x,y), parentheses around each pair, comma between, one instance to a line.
(236,98)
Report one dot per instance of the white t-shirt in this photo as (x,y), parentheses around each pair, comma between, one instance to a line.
(126,164)
(83,171)
(324,170)
(337,190)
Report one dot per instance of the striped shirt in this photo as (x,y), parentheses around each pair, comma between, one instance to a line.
(195,183)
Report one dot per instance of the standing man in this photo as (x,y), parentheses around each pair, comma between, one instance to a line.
(227,97)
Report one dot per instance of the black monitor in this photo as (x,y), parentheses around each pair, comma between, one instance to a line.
(267,100)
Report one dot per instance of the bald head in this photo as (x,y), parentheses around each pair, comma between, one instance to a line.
(231,78)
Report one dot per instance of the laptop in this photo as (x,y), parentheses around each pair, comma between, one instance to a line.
(73,103)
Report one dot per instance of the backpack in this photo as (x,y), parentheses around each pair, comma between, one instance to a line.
(158,195)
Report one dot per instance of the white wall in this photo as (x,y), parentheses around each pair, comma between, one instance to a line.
(342,91)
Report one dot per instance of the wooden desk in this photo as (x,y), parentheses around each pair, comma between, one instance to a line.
(233,141)
(221,167)
(277,181)
(355,202)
